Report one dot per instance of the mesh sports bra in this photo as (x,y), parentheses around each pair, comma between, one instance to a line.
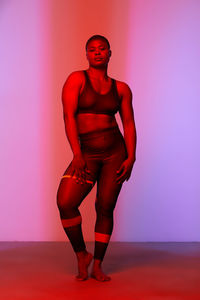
(91,101)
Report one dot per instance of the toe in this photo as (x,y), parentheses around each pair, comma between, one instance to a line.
(81,277)
(108,278)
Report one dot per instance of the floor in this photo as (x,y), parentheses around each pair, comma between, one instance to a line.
(139,271)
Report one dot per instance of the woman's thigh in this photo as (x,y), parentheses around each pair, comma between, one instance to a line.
(107,187)
(70,193)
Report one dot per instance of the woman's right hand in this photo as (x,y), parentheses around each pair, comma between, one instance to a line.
(79,168)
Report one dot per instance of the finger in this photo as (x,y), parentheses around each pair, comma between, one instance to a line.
(83,177)
(120,169)
(77,176)
(121,180)
(123,175)
(80,177)
(87,170)
(81,181)
(84,172)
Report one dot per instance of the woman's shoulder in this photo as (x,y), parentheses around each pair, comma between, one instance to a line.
(75,78)
(79,74)
(122,87)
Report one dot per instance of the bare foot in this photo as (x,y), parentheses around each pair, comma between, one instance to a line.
(98,274)
(83,262)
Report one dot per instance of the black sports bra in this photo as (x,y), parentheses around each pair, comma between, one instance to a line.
(92,102)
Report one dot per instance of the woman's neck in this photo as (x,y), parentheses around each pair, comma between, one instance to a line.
(100,74)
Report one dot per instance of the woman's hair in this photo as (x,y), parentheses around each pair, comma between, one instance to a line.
(97,37)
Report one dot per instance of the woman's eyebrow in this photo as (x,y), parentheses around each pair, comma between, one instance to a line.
(93,47)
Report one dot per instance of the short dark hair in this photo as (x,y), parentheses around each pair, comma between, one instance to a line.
(97,37)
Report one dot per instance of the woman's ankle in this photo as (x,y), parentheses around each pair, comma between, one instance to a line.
(81,254)
(97,262)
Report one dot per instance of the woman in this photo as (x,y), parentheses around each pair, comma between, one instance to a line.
(100,153)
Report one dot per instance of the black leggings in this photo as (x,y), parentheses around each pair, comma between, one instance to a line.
(104,151)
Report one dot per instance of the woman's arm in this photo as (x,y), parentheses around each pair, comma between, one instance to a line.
(70,95)
(130,136)
(127,117)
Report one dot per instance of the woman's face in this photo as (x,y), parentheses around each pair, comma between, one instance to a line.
(97,53)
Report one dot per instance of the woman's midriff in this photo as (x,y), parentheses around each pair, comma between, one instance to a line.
(88,122)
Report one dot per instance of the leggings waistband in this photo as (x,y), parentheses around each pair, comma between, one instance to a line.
(97,133)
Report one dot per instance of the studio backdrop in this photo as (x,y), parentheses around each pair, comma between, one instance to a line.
(155,49)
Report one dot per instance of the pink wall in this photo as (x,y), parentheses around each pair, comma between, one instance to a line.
(155,48)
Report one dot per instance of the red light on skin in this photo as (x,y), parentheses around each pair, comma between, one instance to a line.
(98,52)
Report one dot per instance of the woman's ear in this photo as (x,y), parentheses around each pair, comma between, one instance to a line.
(110,53)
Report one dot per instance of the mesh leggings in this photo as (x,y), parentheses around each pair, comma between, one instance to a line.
(103,151)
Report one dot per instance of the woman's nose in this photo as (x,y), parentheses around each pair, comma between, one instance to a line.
(97,52)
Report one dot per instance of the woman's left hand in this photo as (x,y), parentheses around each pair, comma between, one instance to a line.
(124,172)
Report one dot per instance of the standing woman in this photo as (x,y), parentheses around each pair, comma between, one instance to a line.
(100,152)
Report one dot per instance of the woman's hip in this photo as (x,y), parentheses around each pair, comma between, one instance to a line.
(108,140)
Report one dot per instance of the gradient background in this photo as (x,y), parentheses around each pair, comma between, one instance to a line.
(156,46)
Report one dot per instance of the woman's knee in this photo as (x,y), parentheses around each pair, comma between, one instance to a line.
(67,209)
(104,210)
(65,202)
